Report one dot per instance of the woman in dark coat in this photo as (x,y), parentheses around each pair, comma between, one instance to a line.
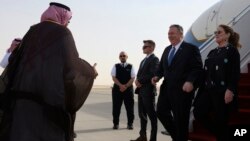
(219,92)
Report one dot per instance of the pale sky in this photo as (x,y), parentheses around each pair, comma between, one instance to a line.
(104,28)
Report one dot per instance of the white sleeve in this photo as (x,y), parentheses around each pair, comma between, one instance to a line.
(132,72)
(5,60)
(113,71)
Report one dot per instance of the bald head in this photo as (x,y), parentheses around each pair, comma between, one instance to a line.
(123,56)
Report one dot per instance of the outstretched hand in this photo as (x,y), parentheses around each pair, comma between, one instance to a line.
(94,67)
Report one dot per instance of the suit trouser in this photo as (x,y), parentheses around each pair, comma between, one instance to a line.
(146,105)
(117,99)
(173,110)
(210,109)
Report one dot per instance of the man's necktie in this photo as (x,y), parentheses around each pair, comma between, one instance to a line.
(171,55)
(143,62)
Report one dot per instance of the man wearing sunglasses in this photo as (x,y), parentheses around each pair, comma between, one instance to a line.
(123,75)
(146,91)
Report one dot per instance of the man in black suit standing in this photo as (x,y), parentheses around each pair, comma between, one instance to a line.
(181,67)
(147,91)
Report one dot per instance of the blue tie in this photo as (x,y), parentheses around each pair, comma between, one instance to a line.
(171,55)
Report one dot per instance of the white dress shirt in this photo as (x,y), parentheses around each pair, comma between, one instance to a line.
(177,46)
(132,74)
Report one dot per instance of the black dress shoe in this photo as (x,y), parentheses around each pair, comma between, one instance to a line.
(141,138)
(115,126)
(130,127)
(74,135)
(165,133)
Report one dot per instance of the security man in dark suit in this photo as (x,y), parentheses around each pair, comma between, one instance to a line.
(123,75)
(146,91)
(181,67)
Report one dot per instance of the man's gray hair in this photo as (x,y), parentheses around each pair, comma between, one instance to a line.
(179,28)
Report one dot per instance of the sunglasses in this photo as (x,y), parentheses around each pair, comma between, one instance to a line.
(217,32)
(144,47)
(122,55)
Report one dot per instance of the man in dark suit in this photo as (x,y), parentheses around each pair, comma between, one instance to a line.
(146,91)
(181,67)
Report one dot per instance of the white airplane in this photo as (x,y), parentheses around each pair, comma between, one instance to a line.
(235,13)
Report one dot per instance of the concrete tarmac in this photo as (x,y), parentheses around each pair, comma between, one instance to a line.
(94,120)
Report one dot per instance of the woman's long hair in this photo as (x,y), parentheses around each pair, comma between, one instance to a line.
(234,36)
